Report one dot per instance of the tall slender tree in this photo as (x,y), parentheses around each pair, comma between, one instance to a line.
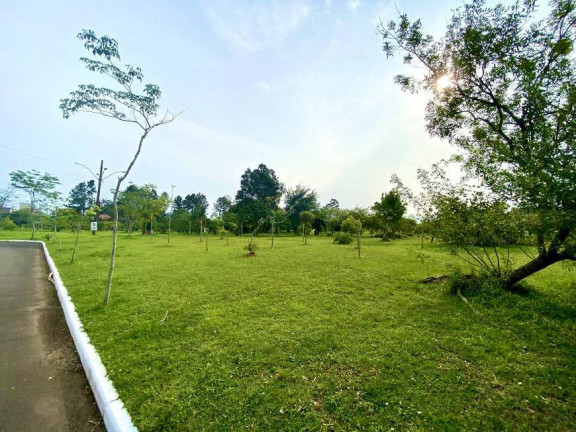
(123,103)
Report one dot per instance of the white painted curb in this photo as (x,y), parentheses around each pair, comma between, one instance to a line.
(116,418)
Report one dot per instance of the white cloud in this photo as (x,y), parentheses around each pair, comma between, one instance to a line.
(249,27)
(353,4)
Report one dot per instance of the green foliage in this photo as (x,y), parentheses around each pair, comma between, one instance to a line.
(300,199)
(81,197)
(510,107)
(388,212)
(9,225)
(406,227)
(39,187)
(260,184)
(222,205)
(252,247)
(343,238)
(141,204)
(259,193)
(350,225)
(124,104)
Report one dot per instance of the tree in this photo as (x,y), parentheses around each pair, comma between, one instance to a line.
(259,184)
(331,215)
(196,205)
(350,225)
(124,104)
(298,199)
(306,217)
(260,190)
(39,187)
(509,104)
(332,204)
(222,205)
(81,197)
(141,203)
(6,195)
(389,211)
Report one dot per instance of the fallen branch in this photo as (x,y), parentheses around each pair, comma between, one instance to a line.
(433,279)
(459,293)
(164,319)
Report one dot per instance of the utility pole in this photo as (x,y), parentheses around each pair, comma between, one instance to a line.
(98,196)
(100,178)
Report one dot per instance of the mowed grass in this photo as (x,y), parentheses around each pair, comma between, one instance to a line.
(313,338)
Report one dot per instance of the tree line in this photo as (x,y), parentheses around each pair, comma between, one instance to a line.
(261,201)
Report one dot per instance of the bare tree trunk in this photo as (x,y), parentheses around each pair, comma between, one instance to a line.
(115,203)
(359,228)
(544,259)
(76,241)
(272,234)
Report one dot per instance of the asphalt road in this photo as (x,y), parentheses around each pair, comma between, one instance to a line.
(42,384)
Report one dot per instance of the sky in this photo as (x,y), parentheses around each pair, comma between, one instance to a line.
(301,86)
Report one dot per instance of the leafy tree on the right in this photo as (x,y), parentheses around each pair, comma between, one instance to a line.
(503,89)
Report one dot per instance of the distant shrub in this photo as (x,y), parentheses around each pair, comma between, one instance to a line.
(350,225)
(9,224)
(343,238)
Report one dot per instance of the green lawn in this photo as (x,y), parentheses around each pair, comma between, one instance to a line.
(312,338)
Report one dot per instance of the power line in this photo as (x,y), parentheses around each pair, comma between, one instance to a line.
(37,157)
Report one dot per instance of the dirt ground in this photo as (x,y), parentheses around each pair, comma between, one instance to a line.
(42,383)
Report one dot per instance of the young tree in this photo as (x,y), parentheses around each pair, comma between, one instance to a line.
(306,218)
(389,211)
(81,197)
(39,187)
(510,104)
(124,104)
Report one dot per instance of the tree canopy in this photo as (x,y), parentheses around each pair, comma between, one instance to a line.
(81,197)
(260,192)
(509,104)
(39,187)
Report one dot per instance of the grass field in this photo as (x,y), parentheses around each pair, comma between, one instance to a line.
(313,338)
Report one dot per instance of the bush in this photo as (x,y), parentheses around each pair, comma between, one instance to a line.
(9,224)
(343,238)
(350,224)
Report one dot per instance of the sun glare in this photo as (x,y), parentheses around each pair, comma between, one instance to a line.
(443,83)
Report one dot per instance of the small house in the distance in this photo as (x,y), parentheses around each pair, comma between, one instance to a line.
(6,210)
(105,217)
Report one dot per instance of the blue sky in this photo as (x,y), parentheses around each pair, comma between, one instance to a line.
(301,86)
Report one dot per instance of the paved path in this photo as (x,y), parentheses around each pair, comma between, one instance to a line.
(42,383)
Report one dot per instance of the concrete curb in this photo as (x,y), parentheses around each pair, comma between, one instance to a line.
(116,418)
